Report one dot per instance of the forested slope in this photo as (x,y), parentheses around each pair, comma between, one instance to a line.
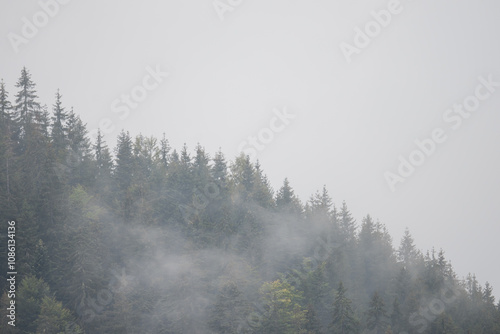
(150,239)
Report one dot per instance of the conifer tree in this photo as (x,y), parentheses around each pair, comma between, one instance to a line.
(262,192)
(54,318)
(443,325)
(123,174)
(312,324)
(230,311)
(31,293)
(59,131)
(285,314)
(286,201)
(242,176)
(377,314)
(6,146)
(347,224)
(407,252)
(398,323)
(219,170)
(344,320)
(103,158)
(201,168)
(26,104)
(164,151)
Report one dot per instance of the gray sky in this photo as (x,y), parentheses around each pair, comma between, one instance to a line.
(231,71)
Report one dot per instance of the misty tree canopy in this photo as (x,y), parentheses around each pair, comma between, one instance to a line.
(145,238)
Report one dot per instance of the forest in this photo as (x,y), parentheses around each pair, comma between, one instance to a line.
(146,238)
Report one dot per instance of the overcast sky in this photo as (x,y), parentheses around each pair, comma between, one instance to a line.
(353,109)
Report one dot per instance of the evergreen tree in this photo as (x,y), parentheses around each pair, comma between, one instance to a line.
(219,171)
(443,325)
(262,192)
(164,151)
(124,168)
(488,297)
(407,252)
(242,176)
(321,204)
(5,105)
(104,162)
(286,201)
(201,168)
(402,285)
(185,157)
(230,311)
(347,224)
(285,315)
(31,293)
(6,147)
(344,320)
(59,131)
(377,314)
(26,105)
(54,318)
(398,323)
(312,324)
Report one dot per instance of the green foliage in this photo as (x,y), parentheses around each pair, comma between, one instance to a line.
(284,312)
(230,310)
(377,315)
(178,225)
(344,320)
(54,318)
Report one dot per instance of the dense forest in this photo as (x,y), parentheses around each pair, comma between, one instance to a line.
(149,239)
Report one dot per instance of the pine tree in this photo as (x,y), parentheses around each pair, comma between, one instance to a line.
(286,201)
(402,285)
(367,249)
(319,212)
(316,290)
(59,131)
(344,320)
(219,170)
(201,168)
(124,168)
(262,193)
(408,253)
(6,147)
(321,203)
(34,155)
(26,104)
(103,158)
(377,315)
(229,311)
(5,105)
(312,324)
(54,318)
(488,297)
(347,224)
(164,151)
(174,158)
(79,160)
(285,315)
(398,323)
(242,177)
(31,293)
(185,157)
(444,325)
(42,117)
(7,168)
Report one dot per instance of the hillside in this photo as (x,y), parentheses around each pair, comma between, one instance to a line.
(145,238)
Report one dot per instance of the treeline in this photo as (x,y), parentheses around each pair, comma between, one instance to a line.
(148,239)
